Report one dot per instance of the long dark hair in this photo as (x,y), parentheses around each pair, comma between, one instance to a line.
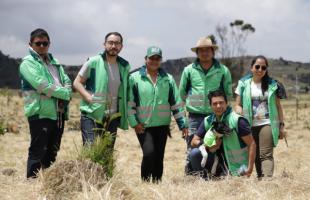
(266,77)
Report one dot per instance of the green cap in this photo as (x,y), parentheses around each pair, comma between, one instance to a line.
(152,51)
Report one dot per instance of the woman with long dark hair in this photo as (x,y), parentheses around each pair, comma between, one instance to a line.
(258,99)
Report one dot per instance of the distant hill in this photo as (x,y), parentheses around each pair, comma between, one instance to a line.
(280,69)
(9,72)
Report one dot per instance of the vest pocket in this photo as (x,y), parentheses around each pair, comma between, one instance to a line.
(47,106)
(31,102)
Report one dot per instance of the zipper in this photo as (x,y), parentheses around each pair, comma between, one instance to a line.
(154,86)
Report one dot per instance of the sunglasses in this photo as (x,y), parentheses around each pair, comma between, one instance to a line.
(263,67)
(38,44)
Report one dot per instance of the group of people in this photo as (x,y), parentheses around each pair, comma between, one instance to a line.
(220,140)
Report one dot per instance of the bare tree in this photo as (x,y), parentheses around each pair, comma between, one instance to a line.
(231,39)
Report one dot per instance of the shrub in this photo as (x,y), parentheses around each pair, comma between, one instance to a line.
(2,127)
(101,152)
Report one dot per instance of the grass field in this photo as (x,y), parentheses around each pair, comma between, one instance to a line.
(291,178)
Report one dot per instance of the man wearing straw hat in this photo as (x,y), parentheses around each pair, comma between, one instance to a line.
(204,75)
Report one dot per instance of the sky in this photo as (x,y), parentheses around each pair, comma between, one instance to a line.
(77,28)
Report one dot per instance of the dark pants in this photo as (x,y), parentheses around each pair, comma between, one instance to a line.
(45,143)
(89,134)
(153,143)
(211,168)
(194,121)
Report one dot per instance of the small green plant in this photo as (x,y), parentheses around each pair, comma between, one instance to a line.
(2,128)
(101,152)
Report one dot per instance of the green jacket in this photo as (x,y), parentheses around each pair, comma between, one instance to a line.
(151,104)
(41,96)
(236,155)
(196,84)
(97,85)
(244,89)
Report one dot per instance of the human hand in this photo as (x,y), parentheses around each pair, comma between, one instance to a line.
(184,132)
(239,110)
(89,98)
(248,172)
(282,133)
(139,129)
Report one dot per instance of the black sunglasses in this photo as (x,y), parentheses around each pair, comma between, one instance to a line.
(38,44)
(263,67)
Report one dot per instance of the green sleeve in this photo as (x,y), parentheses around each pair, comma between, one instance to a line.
(31,73)
(183,84)
(178,108)
(132,106)
(67,81)
(228,83)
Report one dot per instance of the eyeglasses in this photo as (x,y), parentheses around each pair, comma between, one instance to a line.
(38,44)
(116,43)
(263,67)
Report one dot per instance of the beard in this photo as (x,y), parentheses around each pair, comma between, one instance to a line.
(112,52)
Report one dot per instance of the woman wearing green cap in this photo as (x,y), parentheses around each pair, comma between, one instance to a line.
(153,96)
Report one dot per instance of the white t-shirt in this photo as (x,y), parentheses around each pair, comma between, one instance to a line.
(55,73)
(259,105)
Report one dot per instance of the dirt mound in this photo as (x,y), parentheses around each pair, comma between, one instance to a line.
(64,179)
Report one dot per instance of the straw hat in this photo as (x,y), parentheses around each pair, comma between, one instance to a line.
(204,42)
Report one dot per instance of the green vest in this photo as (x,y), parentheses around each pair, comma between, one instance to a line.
(244,89)
(195,85)
(234,154)
(97,85)
(41,95)
(151,104)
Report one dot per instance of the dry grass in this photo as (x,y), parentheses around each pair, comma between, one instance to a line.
(291,179)
(66,178)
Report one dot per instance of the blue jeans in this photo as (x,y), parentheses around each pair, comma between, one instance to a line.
(195,159)
(89,134)
(194,121)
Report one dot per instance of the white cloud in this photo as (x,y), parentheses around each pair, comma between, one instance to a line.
(135,49)
(10,45)
(77,28)
(142,42)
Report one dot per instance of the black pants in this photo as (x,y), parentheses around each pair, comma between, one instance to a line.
(45,143)
(153,143)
